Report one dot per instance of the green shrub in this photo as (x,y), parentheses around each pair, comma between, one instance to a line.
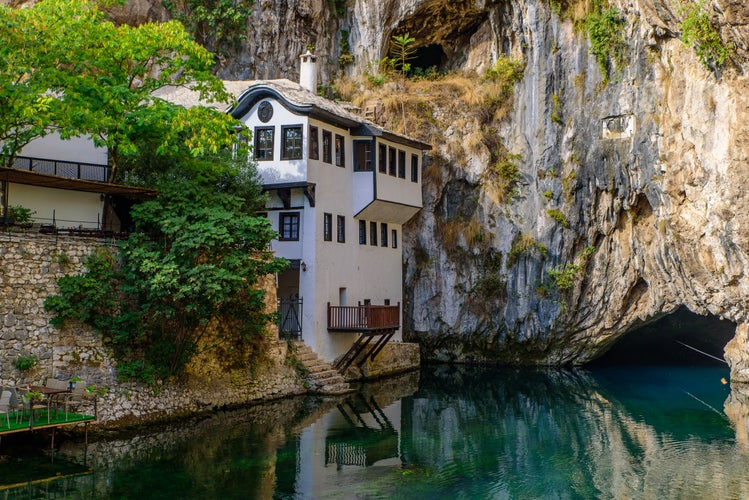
(564,278)
(502,177)
(346,57)
(607,39)
(525,244)
(20,214)
(556,109)
(26,363)
(558,216)
(697,31)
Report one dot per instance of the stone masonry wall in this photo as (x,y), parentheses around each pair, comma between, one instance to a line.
(30,265)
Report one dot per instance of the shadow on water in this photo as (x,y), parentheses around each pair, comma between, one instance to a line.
(467,432)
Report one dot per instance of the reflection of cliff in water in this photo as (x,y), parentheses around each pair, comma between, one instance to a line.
(604,433)
(469,432)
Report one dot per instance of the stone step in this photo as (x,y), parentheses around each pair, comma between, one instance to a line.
(325,374)
(336,389)
(322,377)
(317,368)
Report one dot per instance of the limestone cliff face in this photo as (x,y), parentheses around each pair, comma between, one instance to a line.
(637,187)
(648,172)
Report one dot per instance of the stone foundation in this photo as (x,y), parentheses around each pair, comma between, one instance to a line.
(395,357)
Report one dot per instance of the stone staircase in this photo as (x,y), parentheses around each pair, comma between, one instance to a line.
(322,377)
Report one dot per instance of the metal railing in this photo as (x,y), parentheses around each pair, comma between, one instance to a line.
(290,319)
(363,318)
(68,169)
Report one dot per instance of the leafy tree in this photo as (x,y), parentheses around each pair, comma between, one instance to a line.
(33,59)
(66,68)
(215,24)
(191,267)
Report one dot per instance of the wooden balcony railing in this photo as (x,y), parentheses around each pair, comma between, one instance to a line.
(69,169)
(363,318)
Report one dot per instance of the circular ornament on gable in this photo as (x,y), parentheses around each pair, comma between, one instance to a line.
(265,111)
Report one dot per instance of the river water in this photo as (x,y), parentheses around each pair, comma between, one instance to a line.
(446,432)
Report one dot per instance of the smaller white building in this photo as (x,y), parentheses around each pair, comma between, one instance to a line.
(65,185)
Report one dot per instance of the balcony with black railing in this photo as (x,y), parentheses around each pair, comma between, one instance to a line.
(67,169)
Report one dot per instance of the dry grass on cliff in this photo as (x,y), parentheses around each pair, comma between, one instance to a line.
(461,103)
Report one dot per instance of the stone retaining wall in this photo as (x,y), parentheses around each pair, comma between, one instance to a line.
(30,266)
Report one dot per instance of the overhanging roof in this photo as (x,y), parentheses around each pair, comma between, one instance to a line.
(58,182)
(388,211)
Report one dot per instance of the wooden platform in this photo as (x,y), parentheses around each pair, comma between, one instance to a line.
(56,420)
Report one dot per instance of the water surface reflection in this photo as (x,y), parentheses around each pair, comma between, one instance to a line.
(462,432)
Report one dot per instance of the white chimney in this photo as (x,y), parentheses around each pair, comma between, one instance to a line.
(308,72)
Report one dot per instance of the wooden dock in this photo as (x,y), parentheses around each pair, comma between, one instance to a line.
(56,420)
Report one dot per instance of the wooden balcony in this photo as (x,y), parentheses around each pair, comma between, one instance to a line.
(363,318)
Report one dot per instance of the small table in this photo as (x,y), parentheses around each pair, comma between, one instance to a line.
(49,392)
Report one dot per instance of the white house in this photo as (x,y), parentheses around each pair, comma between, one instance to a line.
(340,189)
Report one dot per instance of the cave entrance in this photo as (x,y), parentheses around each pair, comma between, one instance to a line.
(673,340)
(428,57)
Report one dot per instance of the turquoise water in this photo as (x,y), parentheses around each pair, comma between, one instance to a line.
(625,432)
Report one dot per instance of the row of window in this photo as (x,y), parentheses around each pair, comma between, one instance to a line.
(391,160)
(327,231)
(383,233)
(291,142)
(288,229)
(388,164)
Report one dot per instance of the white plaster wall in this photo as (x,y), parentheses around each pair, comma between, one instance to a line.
(395,189)
(365,272)
(363,186)
(70,208)
(280,171)
(75,149)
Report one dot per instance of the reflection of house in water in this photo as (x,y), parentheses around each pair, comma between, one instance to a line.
(362,442)
(358,439)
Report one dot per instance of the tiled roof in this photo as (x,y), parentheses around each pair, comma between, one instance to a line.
(294,93)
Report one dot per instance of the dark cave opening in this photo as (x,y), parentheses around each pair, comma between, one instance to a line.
(673,340)
(427,57)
